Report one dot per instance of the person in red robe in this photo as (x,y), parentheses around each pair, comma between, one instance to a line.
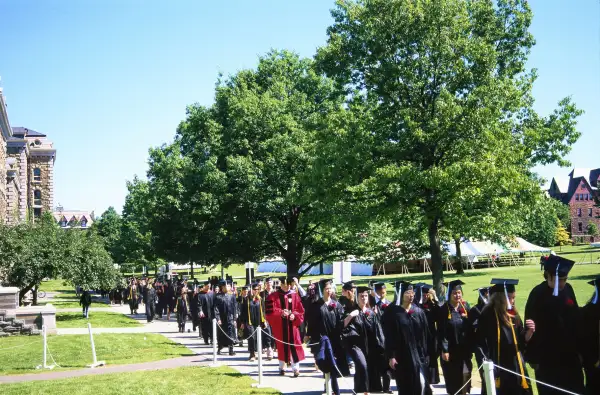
(285,314)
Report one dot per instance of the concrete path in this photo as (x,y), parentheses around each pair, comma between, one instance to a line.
(310,382)
(134,367)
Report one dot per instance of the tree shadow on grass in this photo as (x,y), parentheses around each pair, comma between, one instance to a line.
(585,277)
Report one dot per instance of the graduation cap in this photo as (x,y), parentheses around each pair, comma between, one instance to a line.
(267,279)
(504,285)
(558,266)
(222,283)
(255,285)
(419,287)
(454,285)
(401,287)
(207,282)
(378,286)
(362,289)
(348,286)
(245,287)
(481,291)
(596,284)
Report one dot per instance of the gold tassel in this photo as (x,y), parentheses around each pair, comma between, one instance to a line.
(498,356)
(523,379)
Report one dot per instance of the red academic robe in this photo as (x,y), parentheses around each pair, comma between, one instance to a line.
(283,328)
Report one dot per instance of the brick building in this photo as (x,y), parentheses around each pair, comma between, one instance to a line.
(578,190)
(27,161)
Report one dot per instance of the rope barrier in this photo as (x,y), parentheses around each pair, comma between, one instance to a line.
(49,353)
(237,340)
(536,381)
(290,344)
(468,381)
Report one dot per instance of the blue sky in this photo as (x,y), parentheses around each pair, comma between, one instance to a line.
(106,80)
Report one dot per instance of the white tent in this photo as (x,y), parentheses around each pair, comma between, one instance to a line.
(595,244)
(522,245)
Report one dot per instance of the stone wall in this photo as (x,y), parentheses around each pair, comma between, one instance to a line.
(46,186)
(580,213)
(3,177)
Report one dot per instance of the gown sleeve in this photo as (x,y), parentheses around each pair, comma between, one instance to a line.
(298,311)
(442,321)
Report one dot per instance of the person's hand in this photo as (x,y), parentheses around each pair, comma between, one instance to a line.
(292,316)
(446,356)
(295,280)
(392,362)
(530,325)
(242,326)
(306,339)
(354,313)
(219,322)
(201,314)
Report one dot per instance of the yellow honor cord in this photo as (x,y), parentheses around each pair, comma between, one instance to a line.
(524,383)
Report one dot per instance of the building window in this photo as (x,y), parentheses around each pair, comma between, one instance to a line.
(37,197)
(37,175)
(580,227)
(579,212)
(586,196)
(576,196)
(37,213)
(83,222)
(73,221)
(589,212)
(63,222)
(590,195)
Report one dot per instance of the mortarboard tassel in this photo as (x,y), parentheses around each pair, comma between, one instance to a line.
(555,293)
(449,292)
(399,295)
(320,292)
(506,294)
(595,300)
(483,298)
(356,295)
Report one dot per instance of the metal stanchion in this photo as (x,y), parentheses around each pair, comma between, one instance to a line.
(259,351)
(328,383)
(214,340)
(95,362)
(488,376)
(44,365)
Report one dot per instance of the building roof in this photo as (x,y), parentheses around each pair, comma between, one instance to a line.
(26,132)
(78,214)
(567,185)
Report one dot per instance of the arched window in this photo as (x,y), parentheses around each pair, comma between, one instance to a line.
(37,174)
(37,197)
(83,222)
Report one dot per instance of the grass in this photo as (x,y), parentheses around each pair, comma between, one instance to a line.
(97,319)
(178,381)
(22,354)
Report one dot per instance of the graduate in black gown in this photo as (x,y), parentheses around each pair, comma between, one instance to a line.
(590,340)
(326,318)
(364,340)
(553,350)
(225,310)
(502,338)
(454,340)
(474,314)
(427,300)
(205,312)
(251,316)
(407,337)
(378,301)
(182,308)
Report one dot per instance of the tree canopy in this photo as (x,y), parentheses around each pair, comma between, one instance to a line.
(444,103)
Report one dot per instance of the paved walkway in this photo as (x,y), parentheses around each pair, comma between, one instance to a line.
(134,367)
(310,382)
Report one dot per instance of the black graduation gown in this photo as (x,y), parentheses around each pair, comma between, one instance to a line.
(474,315)
(182,309)
(364,340)
(267,341)
(431,309)
(225,310)
(590,346)
(328,320)
(205,305)
(553,347)
(193,298)
(487,342)
(251,317)
(454,338)
(407,337)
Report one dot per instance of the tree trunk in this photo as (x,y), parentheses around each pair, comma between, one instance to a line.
(437,267)
(34,302)
(291,230)
(222,271)
(321,268)
(460,268)
(24,291)
(192,270)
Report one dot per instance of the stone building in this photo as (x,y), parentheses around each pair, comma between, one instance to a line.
(578,190)
(73,219)
(27,159)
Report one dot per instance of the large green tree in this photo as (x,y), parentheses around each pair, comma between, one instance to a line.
(253,155)
(540,223)
(108,226)
(444,109)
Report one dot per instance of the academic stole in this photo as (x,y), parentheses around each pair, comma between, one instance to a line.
(512,328)
(463,307)
(262,317)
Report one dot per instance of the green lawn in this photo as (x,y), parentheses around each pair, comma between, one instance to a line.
(97,319)
(22,354)
(188,380)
